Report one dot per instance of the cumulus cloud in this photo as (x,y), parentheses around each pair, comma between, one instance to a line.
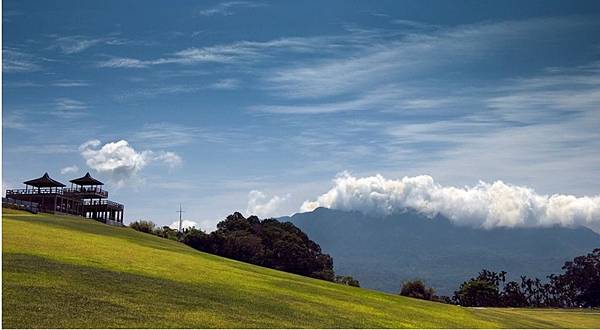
(69,169)
(120,160)
(486,205)
(261,205)
(184,224)
(205,225)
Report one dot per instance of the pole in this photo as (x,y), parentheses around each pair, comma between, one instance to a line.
(180,212)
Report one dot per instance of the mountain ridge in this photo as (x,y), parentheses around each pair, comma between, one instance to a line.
(383,251)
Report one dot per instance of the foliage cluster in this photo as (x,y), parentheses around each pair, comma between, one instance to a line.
(578,286)
(268,243)
(418,289)
(144,226)
(150,228)
(347,280)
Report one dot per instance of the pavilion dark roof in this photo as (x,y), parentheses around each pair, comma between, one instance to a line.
(87,180)
(44,182)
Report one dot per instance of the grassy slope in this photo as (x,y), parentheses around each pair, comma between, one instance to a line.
(68,272)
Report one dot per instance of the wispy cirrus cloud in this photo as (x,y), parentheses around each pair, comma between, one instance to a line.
(123,62)
(226,84)
(228,8)
(78,43)
(15,60)
(246,52)
(70,83)
(415,55)
(388,98)
(166,135)
(69,108)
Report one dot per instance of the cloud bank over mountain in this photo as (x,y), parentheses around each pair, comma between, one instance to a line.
(485,205)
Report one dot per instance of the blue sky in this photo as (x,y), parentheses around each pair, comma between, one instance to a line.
(256,106)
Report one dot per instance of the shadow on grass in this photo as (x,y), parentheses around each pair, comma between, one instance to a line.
(42,293)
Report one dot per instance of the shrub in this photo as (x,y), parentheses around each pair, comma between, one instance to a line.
(347,280)
(417,289)
(143,226)
(167,232)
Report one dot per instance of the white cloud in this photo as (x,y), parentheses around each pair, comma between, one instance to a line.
(226,84)
(14,60)
(69,169)
(70,83)
(414,55)
(68,108)
(76,44)
(226,8)
(120,160)
(244,51)
(168,157)
(261,205)
(205,225)
(386,98)
(165,135)
(484,205)
(184,224)
(123,62)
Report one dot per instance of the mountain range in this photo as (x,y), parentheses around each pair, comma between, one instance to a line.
(383,251)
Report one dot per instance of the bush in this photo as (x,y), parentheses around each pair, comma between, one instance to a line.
(417,289)
(167,232)
(143,226)
(347,280)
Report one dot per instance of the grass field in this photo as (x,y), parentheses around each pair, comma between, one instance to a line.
(62,272)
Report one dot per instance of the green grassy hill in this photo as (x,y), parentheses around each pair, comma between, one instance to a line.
(68,272)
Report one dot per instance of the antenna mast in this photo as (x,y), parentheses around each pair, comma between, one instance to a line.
(180,212)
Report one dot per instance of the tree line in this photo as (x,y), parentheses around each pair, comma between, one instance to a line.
(268,243)
(577,286)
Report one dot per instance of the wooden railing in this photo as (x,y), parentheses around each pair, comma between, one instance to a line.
(59,191)
(84,190)
(34,191)
(103,202)
(21,205)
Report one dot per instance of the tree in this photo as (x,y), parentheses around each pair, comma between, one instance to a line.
(143,226)
(513,296)
(347,280)
(195,238)
(268,243)
(167,232)
(417,289)
(481,291)
(580,283)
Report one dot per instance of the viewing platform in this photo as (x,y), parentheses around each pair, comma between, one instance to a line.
(85,198)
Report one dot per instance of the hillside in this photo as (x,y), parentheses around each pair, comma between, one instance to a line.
(381,252)
(68,272)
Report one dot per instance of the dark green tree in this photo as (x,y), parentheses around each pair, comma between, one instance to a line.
(579,285)
(484,290)
(268,243)
(417,289)
(143,226)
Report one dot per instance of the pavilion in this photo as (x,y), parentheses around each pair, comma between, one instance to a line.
(85,198)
